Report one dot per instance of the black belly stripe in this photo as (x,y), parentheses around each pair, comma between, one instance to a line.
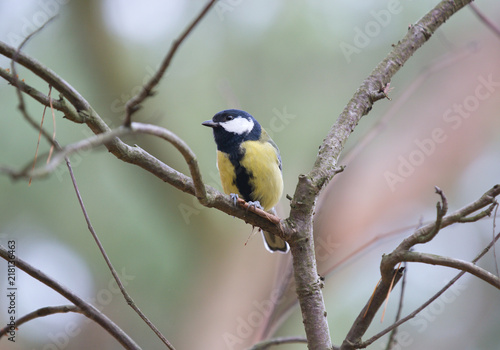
(242,182)
(242,179)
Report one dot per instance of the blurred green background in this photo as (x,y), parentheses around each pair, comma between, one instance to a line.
(293,65)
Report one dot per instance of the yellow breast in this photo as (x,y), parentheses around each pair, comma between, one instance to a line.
(262,164)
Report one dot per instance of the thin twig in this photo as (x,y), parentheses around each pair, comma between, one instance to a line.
(408,92)
(492,26)
(136,128)
(42,312)
(391,342)
(87,309)
(59,105)
(466,266)
(429,301)
(391,286)
(108,262)
(403,253)
(147,90)
(264,345)
(47,75)
(487,199)
(366,315)
(22,106)
(38,143)
(53,123)
(494,246)
(441,210)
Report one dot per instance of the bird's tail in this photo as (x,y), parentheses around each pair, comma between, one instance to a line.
(274,243)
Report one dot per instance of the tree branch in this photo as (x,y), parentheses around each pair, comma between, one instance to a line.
(47,75)
(492,26)
(372,88)
(60,105)
(428,302)
(102,139)
(392,337)
(403,253)
(264,345)
(87,309)
(42,312)
(298,227)
(367,314)
(454,263)
(127,297)
(133,104)
(459,216)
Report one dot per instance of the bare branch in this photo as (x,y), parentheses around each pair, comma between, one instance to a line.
(437,65)
(481,215)
(298,227)
(102,139)
(494,230)
(428,302)
(391,342)
(458,216)
(403,253)
(46,74)
(87,309)
(68,110)
(108,262)
(454,263)
(366,315)
(147,90)
(492,26)
(264,345)
(372,88)
(42,312)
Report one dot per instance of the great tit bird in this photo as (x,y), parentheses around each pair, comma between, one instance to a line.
(249,164)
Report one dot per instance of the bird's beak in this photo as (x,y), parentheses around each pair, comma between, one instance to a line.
(210,123)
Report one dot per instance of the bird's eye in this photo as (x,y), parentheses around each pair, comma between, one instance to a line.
(229,117)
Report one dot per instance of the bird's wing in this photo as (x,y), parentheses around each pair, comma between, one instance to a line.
(265,138)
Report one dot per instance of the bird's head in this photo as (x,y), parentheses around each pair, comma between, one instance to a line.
(231,127)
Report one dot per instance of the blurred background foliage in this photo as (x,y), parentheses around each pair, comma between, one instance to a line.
(293,65)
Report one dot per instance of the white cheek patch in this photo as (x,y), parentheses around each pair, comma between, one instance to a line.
(238,126)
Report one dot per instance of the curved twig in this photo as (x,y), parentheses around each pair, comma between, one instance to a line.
(366,315)
(299,226)
(183,148)
(42,312)
(46,74)
(454,263)
(429,301)
(459,216)
(492,26)
(60,105)
(102,139)
(87,309)
(147,90)
(353,339)
(264,345)
(127,297)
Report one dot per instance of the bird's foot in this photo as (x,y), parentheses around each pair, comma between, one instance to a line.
(255,204)
(234,197)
